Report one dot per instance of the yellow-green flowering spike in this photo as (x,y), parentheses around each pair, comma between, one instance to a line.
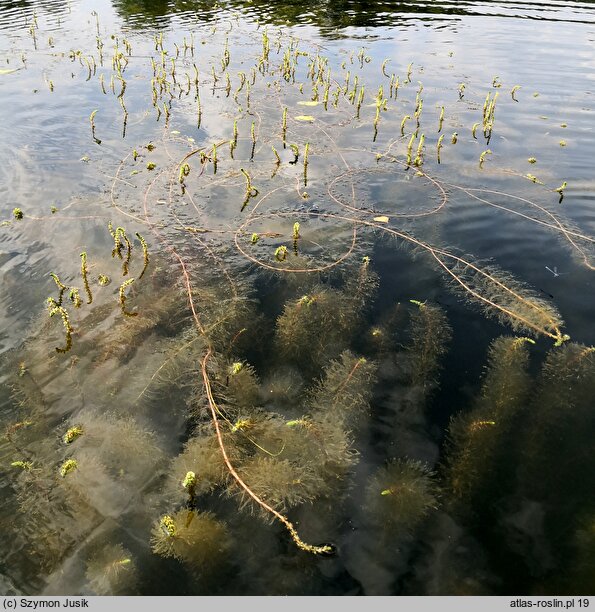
(67,467)
(85,275)
(189,480)
(168,526)
(72,434)
(122,298)
(145,254)
(241,424)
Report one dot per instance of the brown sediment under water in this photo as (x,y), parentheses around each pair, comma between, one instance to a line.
(296,299)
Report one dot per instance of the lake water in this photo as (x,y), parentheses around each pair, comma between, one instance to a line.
(331,330)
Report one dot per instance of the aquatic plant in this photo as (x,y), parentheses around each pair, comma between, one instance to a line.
(72,434)
(85,275)
(122,298)
(54,309)
(145,255)
(194,537)
(483,156)
(67,467)
(478,439)
(400,495)
(251,191)
(345,389)
(430,334)
(281,253)
(92,122)
(202,457)
(111,570)
(561,418)
(282,483)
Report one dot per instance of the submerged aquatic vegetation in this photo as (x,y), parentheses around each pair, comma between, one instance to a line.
(122,298)
(197,538)
(400,495)
(54,309)
(72,434)
(85,275)
(67,467)
(430,334)
(111,570)
(269,404)
(478,438)
(345,389)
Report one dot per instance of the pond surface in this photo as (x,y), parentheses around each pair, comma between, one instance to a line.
(322,298)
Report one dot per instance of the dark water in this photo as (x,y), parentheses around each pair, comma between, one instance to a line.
(458,510)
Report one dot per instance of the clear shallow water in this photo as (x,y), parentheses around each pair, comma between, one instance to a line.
(50,159)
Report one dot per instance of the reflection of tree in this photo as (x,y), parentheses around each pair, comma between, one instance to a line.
(26,7)
(144,12)
(326,14)
(12,4)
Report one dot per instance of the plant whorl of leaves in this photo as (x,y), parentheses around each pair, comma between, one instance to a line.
(111,571)
(333,451)
(242,388)
(320,444)
(315,327)
(197,538)
(284,387)
(361,287)
(118,443)
(280,483)
(478,438)
(400,495)
(230,323)
(557,440)
(202,456)
(345,390)
(430,334)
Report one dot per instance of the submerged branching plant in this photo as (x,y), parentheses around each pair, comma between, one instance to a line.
(122,298)
(195,537)
(54,309)
(145,254)
(400,495)
(111,570)
(92,122)
(251,191)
